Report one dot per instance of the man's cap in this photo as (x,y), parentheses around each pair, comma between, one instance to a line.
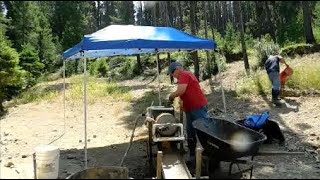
(173,66)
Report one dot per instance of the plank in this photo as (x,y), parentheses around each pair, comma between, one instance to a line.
(174,167)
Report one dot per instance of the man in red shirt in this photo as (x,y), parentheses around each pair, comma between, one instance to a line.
(194,101)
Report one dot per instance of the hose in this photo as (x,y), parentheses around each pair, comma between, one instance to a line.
(132,135)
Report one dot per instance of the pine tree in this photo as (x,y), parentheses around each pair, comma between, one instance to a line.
(10,72)
(30,62)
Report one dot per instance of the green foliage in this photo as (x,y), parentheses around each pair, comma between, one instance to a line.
(24,25)
(10,73)
(32,26)
(231,41)
(99,68)
(48,52)
(316,27)
(30,62)
(121,67)
(265,46)
(125,12)
(290,22)
(249,40)
(70,21)
(71,67)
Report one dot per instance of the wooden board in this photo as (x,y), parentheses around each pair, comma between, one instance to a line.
(174,167)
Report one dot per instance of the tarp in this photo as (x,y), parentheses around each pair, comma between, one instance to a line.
(129,39)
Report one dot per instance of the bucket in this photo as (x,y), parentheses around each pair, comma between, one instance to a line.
(104,172)
(47,161)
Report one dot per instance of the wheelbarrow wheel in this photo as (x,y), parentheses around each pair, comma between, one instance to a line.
(214,168)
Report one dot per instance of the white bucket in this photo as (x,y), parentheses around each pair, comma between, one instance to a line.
(47,161)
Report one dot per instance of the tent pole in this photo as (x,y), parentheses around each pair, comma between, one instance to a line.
(64,95)
(158,68)
(85,109)
(222,91)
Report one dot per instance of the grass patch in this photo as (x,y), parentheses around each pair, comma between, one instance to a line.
(306,76)
(257,83)
(96,88)
(316,33)
(37,93)
(300,49)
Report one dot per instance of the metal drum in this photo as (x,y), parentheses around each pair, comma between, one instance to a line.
(167,129)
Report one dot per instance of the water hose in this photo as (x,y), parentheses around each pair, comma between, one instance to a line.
(132,135)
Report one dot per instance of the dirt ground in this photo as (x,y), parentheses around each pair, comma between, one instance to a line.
(110,123)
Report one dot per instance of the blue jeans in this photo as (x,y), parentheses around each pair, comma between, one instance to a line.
(275,80)
(191,133)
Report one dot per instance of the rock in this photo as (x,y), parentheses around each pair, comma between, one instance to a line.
(101,116)
(80,141)
(5,134)
(71,127)
(24,156)
(15,140)
(312,134)
(9,157)
(55,130)
(94,136)
(88,140)
(318,138)
(9,164)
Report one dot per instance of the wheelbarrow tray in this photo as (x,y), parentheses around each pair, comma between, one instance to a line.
(226,140)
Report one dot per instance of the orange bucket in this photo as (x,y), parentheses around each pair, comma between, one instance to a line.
(285,74)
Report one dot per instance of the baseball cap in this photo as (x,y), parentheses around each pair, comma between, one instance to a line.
(173,66)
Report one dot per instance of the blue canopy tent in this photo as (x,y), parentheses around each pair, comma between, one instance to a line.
(131,40)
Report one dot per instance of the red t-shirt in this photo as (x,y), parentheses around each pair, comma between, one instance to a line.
(193,98)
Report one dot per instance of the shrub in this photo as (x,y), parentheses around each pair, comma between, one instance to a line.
(265,46)
(300,49)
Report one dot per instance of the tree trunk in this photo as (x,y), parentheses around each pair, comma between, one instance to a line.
(155,14)
(169,62)
(158,58)
(211,19)
(170,14)
(139,63)
(307,22)
(259,16)
(224,14)
(180,15)
(1,107)
(218,19)
(142,19)
(99,14)
(194,54)
(243,44)
(204,8)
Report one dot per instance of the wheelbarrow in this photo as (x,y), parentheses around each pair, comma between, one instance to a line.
(223,140)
